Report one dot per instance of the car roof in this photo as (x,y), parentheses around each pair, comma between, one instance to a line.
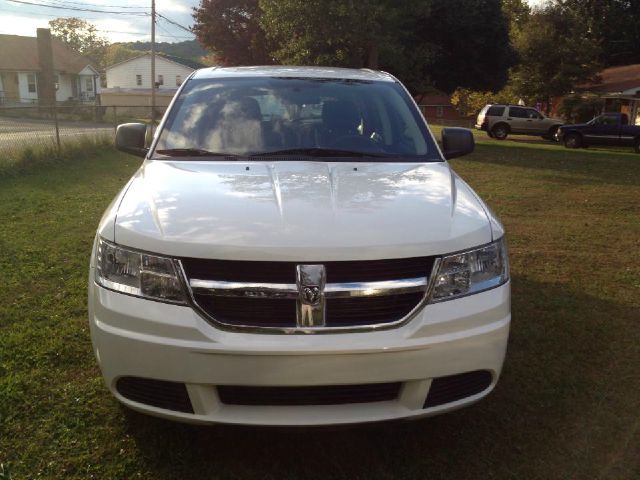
(294,72)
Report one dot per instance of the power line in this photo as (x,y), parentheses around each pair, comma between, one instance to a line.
(58,7)
(174,23)
(84,4)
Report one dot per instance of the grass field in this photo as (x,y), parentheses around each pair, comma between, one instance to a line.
(567,406)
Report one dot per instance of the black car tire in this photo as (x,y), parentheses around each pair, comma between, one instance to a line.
(572,140)
(500,131)
(552,133)
(637,145)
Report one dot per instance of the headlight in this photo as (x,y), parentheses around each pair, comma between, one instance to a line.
(472,271)
(137,273)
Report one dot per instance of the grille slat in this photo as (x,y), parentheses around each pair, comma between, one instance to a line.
(281,313)
(312,395)
(285,272)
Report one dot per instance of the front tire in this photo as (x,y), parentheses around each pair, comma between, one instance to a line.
(500,132)
(551,136)
(636,147)
(572,140)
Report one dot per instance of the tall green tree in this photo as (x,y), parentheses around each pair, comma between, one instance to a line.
(613,24)
(557,53)
(461,43)
(82,37)
(231,30)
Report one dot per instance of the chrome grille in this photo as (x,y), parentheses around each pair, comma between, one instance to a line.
(273,296)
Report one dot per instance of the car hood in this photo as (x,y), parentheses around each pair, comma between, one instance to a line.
(296,210)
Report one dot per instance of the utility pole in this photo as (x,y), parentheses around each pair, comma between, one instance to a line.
(153,63)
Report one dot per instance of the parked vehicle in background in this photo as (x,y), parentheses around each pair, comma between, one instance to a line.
(501,120)
(610,129)
(296,250)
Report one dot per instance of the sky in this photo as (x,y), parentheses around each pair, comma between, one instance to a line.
(125,21)
(116,20)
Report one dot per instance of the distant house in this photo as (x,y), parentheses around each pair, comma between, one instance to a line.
(75,78)
(437,107)
(135,73)
(620,89)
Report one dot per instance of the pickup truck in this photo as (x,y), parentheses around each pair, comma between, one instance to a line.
(610,129)
(295,249)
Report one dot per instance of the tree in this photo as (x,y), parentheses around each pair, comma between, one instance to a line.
(231,30)
(612,24)
(332,32)
(556,53)
(427,43)
(117,53)
(82,37)
(460,43)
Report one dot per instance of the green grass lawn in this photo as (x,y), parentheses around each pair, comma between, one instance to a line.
(567,406)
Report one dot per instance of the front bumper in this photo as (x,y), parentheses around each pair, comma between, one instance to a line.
(133,337)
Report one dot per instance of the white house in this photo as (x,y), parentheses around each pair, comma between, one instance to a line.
(136,72)
(75,78)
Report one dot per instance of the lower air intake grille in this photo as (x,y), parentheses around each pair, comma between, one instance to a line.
(321,395)
(456,387)
(157,393)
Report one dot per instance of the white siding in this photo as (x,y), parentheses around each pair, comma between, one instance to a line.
(23,87)
(124,75)
(64,87)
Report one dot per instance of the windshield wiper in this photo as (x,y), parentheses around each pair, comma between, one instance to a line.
(193,152)
(319,152)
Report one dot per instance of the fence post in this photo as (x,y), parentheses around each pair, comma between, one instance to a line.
(115,119)
(55,120)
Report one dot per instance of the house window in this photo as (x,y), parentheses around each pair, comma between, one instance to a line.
(88,84)
(178,80)
(31,83)
(138,80)
(160,80)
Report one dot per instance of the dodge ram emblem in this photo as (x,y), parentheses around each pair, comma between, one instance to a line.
(311,295)
(310,281)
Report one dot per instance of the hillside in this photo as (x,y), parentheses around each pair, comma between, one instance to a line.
(189,49)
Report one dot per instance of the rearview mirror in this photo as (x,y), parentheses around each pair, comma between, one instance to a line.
(130,138)
(457,142)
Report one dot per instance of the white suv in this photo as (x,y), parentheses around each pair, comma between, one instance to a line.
(296,250)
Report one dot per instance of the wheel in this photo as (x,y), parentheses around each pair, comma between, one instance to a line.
(553,131)
(572,141)
(500,132)
(637,145)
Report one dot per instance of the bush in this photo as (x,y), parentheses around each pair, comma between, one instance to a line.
(580,108)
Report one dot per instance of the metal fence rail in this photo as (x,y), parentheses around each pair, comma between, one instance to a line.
(36,128)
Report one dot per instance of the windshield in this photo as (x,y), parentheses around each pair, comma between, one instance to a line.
(295,116)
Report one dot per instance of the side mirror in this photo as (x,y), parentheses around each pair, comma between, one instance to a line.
(457,142)
(130,138)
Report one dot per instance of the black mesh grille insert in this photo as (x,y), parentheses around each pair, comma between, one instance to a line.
(157,393)
(285,272)
(456,387)
(340,312)
(315,395)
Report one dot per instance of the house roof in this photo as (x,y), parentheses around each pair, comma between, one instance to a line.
(616,79)
(21,53)
(185,62)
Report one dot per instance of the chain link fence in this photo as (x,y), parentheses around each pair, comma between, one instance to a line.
(34,129)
